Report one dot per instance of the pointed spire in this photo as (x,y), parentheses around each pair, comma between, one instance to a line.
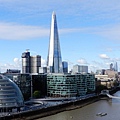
(53,13)
(54,60)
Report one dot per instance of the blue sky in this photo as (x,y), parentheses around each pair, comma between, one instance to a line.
(89,31)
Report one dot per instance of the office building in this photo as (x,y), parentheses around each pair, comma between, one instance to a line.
(30,64)
(111,66)
(26,62)
(80,69)
(23,81)
(54,59)
(105,80)
(13,71)
(70,85)
(60,85)
(35,63)
(65,66)
(42,69)
(100,72)
(90,78)
(116,67)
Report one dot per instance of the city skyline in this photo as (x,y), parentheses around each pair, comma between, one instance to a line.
(88,31)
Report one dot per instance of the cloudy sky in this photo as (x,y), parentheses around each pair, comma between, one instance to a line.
(89,31)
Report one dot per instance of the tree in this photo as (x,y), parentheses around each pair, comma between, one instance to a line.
(99,88)
(36,94)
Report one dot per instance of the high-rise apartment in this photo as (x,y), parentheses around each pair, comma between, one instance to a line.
(54,59)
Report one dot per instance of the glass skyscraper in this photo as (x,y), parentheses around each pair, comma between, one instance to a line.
(54,60)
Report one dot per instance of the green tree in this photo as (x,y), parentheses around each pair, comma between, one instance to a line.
(36,94)
(100,88)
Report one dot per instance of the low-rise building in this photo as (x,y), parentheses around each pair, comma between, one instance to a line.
(104,80)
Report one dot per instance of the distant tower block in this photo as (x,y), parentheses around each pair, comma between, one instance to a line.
(54,60)
(30,64)
(116,67)
(65,66)
(111,66)
(26,62)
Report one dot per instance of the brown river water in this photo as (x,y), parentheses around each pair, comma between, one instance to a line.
(109,106)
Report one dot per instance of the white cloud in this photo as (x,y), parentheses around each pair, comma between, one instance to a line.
(104,56)
(17,64)
(93,9)
(111,32)
(90,8)
(82,61)
(11,31)
(95,65)
(17,60)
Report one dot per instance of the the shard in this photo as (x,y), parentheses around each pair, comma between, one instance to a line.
(54,59)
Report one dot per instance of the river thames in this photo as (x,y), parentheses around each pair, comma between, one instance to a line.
(109,106)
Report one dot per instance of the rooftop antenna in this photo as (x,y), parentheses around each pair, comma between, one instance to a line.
(27,50)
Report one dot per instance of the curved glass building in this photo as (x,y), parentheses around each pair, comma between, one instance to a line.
(10,94)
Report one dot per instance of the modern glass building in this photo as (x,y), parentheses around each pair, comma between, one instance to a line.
(67,85)
(115,67)
(54,59)
(24,83)
(90,82)
(81,84)
(65,66)
(10,94)
(60,85)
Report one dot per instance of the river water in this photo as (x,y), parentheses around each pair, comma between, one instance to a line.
(111,107)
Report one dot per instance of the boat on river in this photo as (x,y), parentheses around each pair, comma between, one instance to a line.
(101,114)
(98,114)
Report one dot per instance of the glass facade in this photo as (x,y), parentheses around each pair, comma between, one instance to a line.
(54,60)
(59,85)
(24,83)
(90,82)
(67,85)
(10,94)
(65,66)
